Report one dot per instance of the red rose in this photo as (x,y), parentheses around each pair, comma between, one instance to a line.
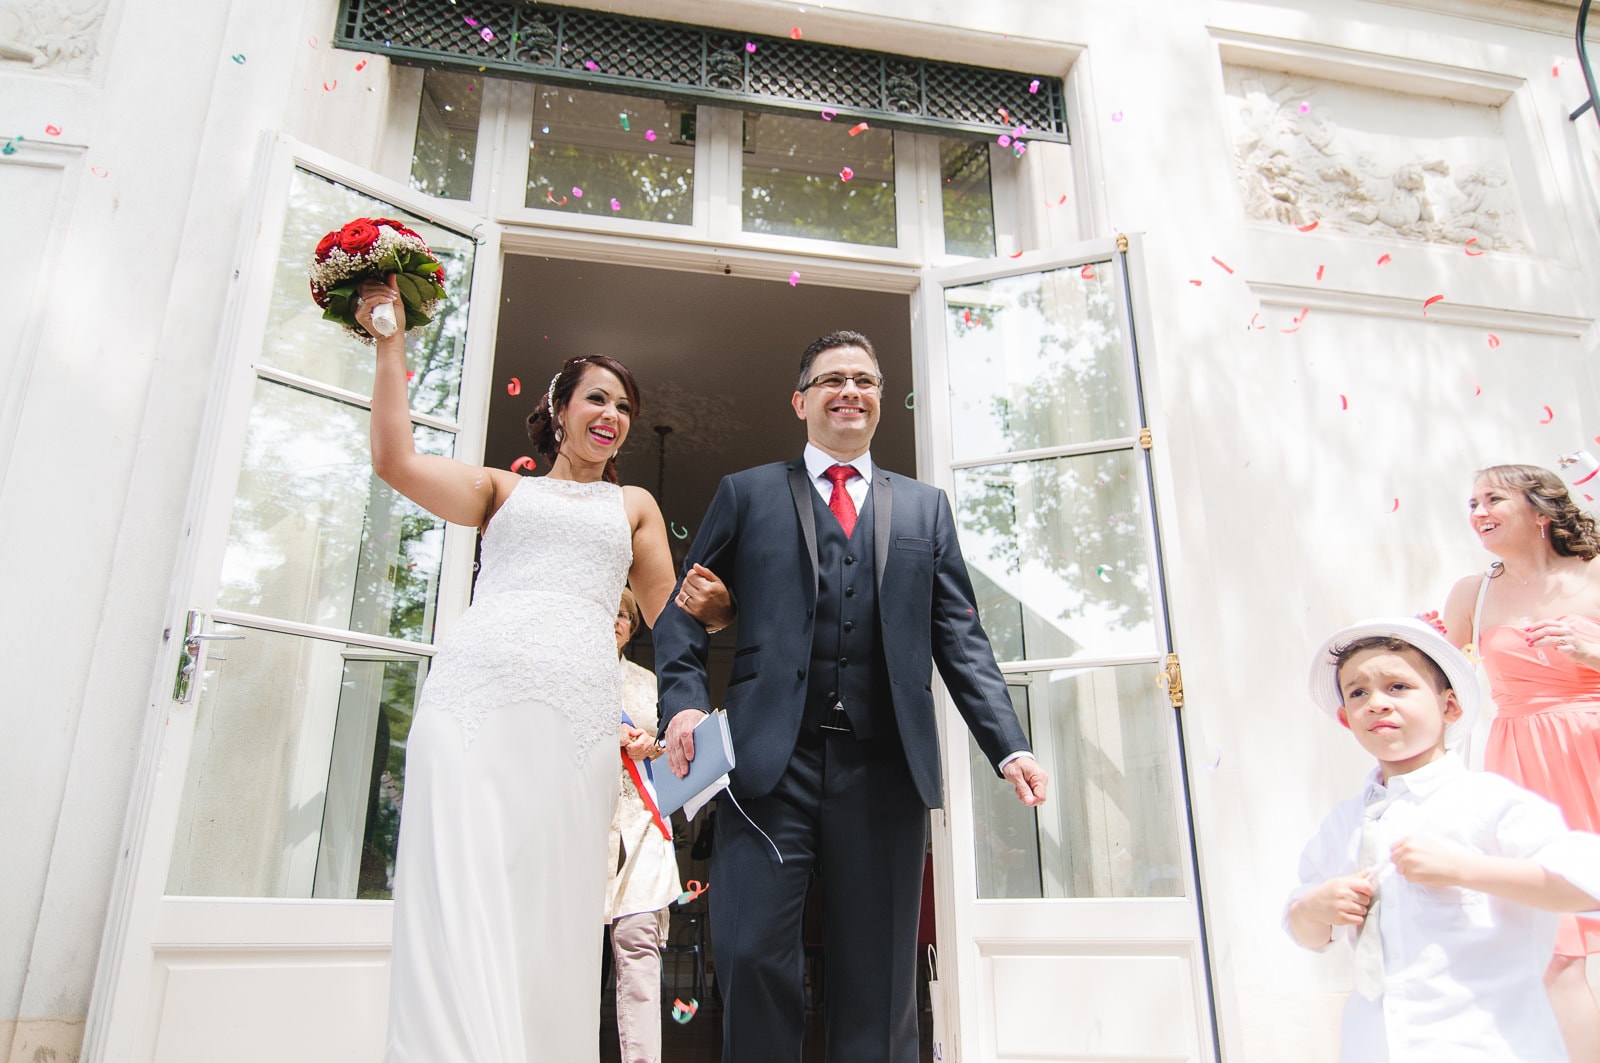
(325,248)
(358,236)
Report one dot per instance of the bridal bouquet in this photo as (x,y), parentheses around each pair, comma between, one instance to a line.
(371,249)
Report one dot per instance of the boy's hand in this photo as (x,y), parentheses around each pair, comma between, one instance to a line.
(1428,861)
(1341,901)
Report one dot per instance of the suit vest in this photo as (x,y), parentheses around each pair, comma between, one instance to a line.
(847,665)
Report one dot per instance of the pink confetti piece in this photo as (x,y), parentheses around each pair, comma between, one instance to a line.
(513,386)
(523,462)
(361,66)
(794,277)
(1429,301)
(312,41)
(795,34)
(1305,108)
(846,173)
(1320,270)
(750,46)
(1003,140)
(1018,148)
(1294,326)
(329,86)
(1494,341)
(1549,415)
(99,171)
(1396,507)
(1384,259)
(590,64)
(1225,267)
(650,135)
(858,128)
(577,193)
(469,20)
(487,34)
(1307,228)
(1087,272)
(1344,403)
(1021,129)
(1196,281)
(1472,252)
(1033,87)
(52,131)
(827,114)
(616,204)
(1476,389)
(1256,323)
(1058,203)
(1116,116)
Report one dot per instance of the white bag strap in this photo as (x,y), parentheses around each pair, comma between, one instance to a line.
(1477,612)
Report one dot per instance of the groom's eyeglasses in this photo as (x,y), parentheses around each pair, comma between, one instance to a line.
(836,382)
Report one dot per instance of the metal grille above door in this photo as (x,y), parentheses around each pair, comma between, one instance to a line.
(669,59)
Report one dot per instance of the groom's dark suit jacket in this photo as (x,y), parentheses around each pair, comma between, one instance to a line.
(760,537)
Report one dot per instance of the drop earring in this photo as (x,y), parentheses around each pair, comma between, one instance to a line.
(1542,528)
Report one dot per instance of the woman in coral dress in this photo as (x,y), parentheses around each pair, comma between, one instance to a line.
(1535,619)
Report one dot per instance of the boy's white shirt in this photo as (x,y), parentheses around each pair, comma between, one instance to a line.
(1463,970)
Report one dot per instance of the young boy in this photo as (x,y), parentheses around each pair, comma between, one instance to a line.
(1445,880)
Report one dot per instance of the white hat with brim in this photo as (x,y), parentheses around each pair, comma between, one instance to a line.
(1324,680)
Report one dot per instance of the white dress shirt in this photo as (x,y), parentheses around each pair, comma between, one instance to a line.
(1463,970)
(818,462)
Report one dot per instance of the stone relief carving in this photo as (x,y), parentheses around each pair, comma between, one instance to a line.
(58,35)
(1360,160)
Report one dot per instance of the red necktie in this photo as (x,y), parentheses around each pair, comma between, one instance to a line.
(840,502)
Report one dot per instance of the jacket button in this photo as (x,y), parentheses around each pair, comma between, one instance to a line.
(808,614)
(844,662)
(849,625)
(849,559)
(799,673)
(849,592)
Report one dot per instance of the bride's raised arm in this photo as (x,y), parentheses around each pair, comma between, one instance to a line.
(458,492)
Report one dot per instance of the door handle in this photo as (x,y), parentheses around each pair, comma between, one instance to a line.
(189,656)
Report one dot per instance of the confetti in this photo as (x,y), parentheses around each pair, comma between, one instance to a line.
(1384,259)
(550,197)
(486,33)
(1555,68)
(911,400)
(10,146)
(678,530)
(1196,281)
(1305,108)
(1307,228)
(795,34)
(1476,389)
(1003,140)
(1294,326)
(363,65)
(1549,415)
(1116,116)
(1319,271)
(858,128)
(329,86)
(1104,572)
(1225,267)
(650,135)
(590,64)
(313,42)
(577,193)
(1018,148)
(1494,341)
(616,204)
(623,119)
(1256,322)
(99,171)
(1058,203)
(1472,252)
(750,46)
(238,57)
(1087,272)
(1396,507)
(1033,87)
(1429,301)
(469,20)
(692,889)
(513,386)
(681,1012)
(1215,762)
(827,114)
(52,130)
(1344,403)
(846,173)
(1015,254)
(411,374)
(1001,111)
(794,277)
(523,462)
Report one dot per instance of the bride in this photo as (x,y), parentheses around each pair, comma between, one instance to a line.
(511,763)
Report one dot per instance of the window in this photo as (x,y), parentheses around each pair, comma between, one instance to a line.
(446,146)
(819,179)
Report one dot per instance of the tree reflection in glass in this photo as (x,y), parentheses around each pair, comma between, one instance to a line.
(803,177)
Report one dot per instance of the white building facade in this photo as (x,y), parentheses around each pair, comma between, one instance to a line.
(1204,313)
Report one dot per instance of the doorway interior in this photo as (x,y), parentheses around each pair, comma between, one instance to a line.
(715,356)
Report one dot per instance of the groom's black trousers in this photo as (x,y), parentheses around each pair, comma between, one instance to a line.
(848,807)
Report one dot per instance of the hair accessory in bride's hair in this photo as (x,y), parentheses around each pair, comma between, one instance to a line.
(550,401)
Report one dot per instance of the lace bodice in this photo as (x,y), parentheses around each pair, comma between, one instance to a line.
(540,627)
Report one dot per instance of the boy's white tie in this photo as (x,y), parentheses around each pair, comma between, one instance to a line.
(1369,941)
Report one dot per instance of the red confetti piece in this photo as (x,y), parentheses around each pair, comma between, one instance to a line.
(1016,254)
(1001,111)
(1396,507)
(827,114)
(846,173)
(1429,301)
(1033,87)
(1344,403)
(1306,228)
(329,86)
(1058,203)
(1319,271)
(361,65)
(650,135)
(1476,389)
(52,130)
(795,34)
(1196,281)
(750,46)
(1225,267)
(99,171)
(794,277)
(1087,272)
(1494,341)
(682,1013)
(523,462)
(1555,68)
(1294,326)
(411,374)
(1472,252)
(1384,259)
(1257,323)
(1549,415)
(513,386)
(550,197)
(859,127)
(966,317)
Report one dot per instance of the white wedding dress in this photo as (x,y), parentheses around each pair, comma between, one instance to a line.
(511,779)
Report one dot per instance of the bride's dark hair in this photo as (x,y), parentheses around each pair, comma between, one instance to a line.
(541,423)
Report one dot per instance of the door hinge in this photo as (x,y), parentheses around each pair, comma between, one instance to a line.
(1122,242)
(1146,439)
(1171,680)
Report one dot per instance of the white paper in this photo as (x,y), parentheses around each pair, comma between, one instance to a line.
(693,806)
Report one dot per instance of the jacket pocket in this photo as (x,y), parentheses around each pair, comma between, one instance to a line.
(746,665)
(910,542)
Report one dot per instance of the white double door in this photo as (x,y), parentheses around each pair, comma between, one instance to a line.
(255,921)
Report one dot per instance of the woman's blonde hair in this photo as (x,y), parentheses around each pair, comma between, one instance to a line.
(630,605)
(1572,532)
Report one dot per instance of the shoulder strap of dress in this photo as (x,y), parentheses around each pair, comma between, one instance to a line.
(1477,610)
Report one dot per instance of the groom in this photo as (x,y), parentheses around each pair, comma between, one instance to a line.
(850,587)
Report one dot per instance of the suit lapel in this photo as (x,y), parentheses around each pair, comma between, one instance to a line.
(882,511)
(800,487)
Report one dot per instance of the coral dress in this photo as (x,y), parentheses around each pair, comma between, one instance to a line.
(1546,736)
